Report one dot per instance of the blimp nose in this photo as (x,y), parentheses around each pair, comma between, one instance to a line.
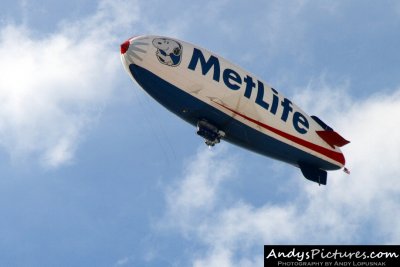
(125,46)
(134,50)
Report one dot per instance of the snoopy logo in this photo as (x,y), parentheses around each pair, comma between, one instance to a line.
(169,52)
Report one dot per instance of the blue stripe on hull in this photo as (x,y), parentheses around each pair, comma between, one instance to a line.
(192,110)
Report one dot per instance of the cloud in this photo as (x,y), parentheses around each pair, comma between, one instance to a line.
(196,195)
(355,209)
(53,87)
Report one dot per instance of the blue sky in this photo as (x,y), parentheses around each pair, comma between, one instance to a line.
(93,172)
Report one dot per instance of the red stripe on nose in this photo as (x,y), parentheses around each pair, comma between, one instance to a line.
(125,47)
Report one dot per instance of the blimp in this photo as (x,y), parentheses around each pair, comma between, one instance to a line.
(225,102)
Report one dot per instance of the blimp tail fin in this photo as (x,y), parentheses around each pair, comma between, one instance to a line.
(332,138)
(329,135)
(314,174)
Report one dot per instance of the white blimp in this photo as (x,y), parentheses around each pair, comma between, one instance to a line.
(228,103)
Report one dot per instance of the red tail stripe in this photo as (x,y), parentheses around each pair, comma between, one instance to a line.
(336,156)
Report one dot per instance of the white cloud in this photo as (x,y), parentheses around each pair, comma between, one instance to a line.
(53,87)
(197,194)
(360,208)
